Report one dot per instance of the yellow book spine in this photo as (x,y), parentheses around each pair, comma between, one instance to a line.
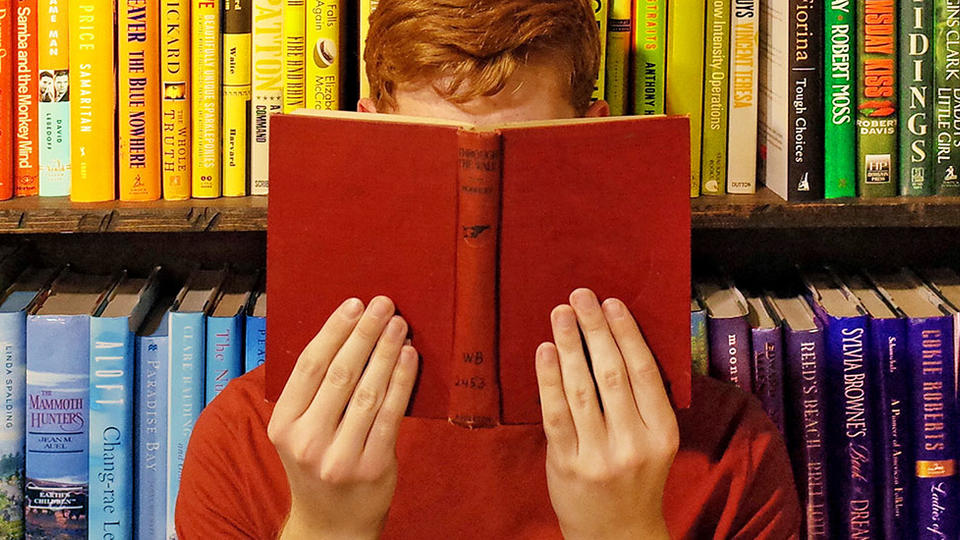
(138,119)
(92,132)
(601,9)
(323,54)
(236,95)
(205,75)
(684,83)
(267,92)
(617,70)
(175,101)
(366,9)
(293,51)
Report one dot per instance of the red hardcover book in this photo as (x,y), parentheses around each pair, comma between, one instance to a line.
(7,65)
(27,108)
(364,204)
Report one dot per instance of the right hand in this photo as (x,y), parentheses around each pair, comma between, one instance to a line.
(335,424)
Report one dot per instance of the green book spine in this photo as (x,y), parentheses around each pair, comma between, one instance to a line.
(716,91)
(839,131)
(877,149)
(947,80)
(650,60)
(916,97)
(684,86)
(617,83)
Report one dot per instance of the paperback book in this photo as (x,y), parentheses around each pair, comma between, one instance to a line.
(916,97)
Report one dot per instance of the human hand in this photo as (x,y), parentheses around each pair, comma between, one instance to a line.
(335,424)
(606,469)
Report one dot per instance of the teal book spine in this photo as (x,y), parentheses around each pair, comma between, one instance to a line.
(877,149)
(224,357)
(946,167)
(716,90)
(916,122)
(839,127)
(650,56)
(111,428)
(55,148)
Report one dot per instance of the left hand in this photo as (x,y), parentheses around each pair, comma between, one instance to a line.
(606,469)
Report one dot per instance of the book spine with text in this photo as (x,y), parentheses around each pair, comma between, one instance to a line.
(716,94)
(255,342)
(366,9)
(92,119)
(839,86)
(730,351)
(323,54)
(767,351)
(946,166)
(650,56)
(683,90)
(13,335)
(8,65)
(151,425)
(58,426)
(877,150)
(744,78)
(184,396)
(139,108)
(293,49)
(601,12)
(175,100)
(27,105)
(699,350)
(617,68)
(916,96)
(267,91)
(205,88)
(54,97)
(237,20)
(224,354)
(111,360)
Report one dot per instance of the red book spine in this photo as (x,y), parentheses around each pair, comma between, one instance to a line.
(7,64)
(474,387)
(27,105)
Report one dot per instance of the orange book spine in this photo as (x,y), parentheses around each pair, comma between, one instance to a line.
(139,157)
(7,63)
(475,388)
(28,113)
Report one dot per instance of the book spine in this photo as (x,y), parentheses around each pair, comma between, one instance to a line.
(175,102)
(888,346)
(767,347)
(255,342)
(617,68)
(111,428)
(54,99)
(184,396)
(699,350)
(366,9)
(151,424)
(237,43)
(877,98)
(57,424)
(92,120)
(716,95)
(744,75)
(8,35)
(139,107)
(13,335)
(27,105)
(730,351)
(293,50)
(650,61)
(224,354)
(916,120)
(934,489)
(946,176)
(601,12)
(323,54)
(474,387)
(806,412)
(683,90)
(267,91)
(205,74)
(839,128)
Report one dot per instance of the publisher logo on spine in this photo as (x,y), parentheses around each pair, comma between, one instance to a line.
(876,169)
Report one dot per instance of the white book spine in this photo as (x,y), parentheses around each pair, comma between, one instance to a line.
(267,88)
(744,75)
(774,115)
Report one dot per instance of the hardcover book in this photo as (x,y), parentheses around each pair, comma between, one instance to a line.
(8,66)
(237,21)
(716,96)
(255,330)
(224,351)
(616,82)
(54,97)
(650,56)
(267,91)
(946,283)
(728,331)
(916,95)
(877,150)
(683,92)
(293,50)
(138,151)
(477,280)
(744,80)
(766,345)
(324,54)
(175,102)
(839,86)
(699,349)
(205,95)
(946,176)
(27,156)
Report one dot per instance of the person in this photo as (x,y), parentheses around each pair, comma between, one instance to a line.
(335,458)
(61,84)
(45,87)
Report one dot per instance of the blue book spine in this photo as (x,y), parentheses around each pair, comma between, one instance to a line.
(224,359)
(185,395)
(934,490)
(888,349)
(255,344)
(730,351)
(13,336)
(111,428)
(58,390)
(767,346)
(150,509)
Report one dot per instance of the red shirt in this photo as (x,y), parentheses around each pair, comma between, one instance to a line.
(731,477)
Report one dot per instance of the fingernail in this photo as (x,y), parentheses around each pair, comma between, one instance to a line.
(582,299)
(380,307)
(352,307)
(613,308)
(396,327)
(565,319)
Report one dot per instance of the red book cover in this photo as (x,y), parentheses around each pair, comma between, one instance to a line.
(27,106)
(364,204)
(7,64)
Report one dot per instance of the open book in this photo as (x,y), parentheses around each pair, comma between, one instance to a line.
(476,234)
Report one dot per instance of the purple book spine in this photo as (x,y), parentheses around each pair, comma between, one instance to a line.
(888,349)
(804,392)
(730,351)
(767,347)
(934,491)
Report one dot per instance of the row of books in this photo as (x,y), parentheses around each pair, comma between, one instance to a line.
(107,376)
(858,371)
